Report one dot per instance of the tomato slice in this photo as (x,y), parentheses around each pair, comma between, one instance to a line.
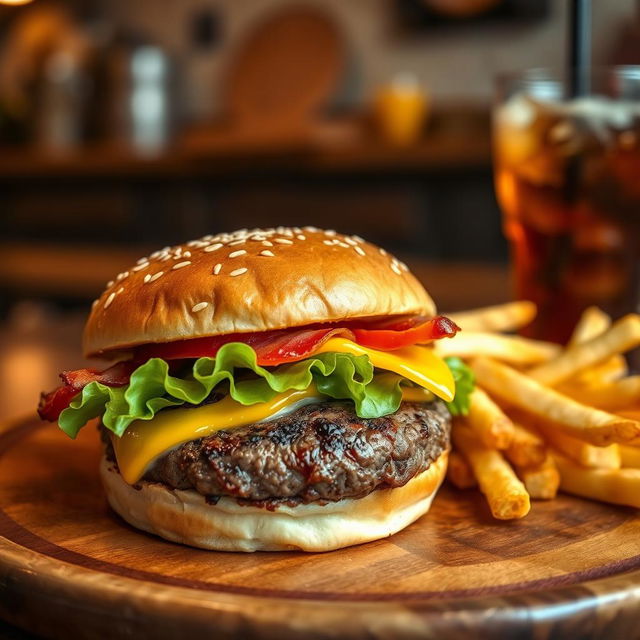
(288,345)
(422,333)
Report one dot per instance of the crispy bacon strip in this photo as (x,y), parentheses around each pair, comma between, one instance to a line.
(52,404)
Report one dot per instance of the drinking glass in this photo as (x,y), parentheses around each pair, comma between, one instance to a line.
(567,176)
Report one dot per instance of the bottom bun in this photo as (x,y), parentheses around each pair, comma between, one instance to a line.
(186,517)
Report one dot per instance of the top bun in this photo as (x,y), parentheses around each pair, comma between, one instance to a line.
(250,281)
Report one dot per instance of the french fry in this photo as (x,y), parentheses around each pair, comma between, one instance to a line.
(632,414)
(505,493)
(502,317)
(611,369)
(459,472)
(620,394)
(592,323)
(623,336)
(527,449)
(512,349)
(629,456)
(583,453)
(618,486)
(580,421)
(488,421)
(541,481)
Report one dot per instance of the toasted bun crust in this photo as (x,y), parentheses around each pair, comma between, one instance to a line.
(185,516)
(250,281)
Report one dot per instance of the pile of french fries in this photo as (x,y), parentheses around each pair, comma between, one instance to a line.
(545,418)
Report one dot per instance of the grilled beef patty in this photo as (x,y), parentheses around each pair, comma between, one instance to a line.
(318,452)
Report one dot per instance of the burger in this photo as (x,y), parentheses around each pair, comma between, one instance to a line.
(271,389)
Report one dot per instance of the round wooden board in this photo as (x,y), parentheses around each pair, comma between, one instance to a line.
(70,568)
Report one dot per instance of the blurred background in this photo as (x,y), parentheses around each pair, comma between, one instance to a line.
(128,125)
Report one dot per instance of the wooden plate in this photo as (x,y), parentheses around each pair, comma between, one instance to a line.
(70,568)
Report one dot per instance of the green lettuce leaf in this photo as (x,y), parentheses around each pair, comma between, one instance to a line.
(338,375)
(151,387)
(465,383)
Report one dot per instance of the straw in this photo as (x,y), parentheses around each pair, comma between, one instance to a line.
(579,47)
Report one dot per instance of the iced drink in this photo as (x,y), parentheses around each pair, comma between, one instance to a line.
(568,182)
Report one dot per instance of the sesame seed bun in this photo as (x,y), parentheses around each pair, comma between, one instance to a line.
(250,281)
(186,517)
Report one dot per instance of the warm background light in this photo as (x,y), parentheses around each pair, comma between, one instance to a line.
(15,2)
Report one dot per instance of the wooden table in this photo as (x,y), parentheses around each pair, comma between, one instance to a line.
(571,569)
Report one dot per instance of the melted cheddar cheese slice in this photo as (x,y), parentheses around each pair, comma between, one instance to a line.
(144,441)
(418,364)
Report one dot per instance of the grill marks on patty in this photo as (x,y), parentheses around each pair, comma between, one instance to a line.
(318,452)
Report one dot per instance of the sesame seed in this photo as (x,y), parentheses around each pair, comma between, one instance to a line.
(283,241)
(329,243)
(109,284)
(187,254)
(94,303)
(109,300)
(382,251)
(341,244)
(312,229)
(403,266)
(213,247)
(267,253)
(239,272)
(147,278)
(301,237)
(207,238)
(186,263)
(120,290)
(142,260)
(155,276)
(235,254)
(350,241)
(266,243)
(216,269)
(122,276)
(359,251)
(395,268)
(140,267)
(357,238)
(165,258)
(329,232)
(199,307)
(236,242)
